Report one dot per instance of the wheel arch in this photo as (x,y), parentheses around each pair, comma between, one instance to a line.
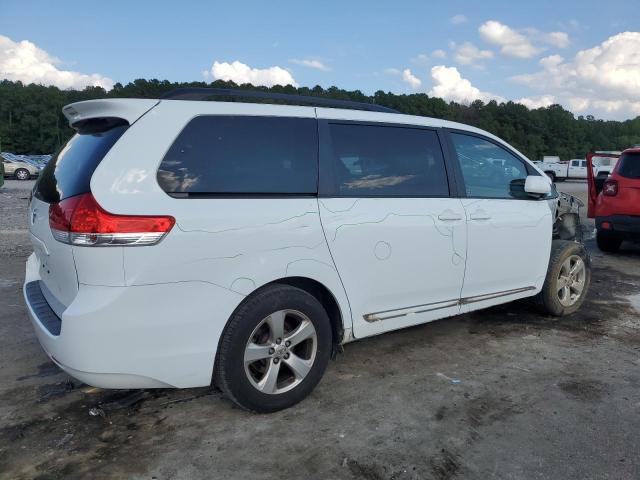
(339,316)
(326,298)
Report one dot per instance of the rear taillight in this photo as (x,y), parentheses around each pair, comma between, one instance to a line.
(80,220)
(610,188)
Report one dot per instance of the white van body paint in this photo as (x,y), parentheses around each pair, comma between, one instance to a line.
(140,317)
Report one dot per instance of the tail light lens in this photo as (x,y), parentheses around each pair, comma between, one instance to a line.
(610,188)
(80,220)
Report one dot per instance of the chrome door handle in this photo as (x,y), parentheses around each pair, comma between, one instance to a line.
(449,216)
(480,215)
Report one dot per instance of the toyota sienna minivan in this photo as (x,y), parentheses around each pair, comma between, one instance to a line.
(179,242)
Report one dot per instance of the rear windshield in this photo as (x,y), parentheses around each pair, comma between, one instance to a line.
(69,171)
(630,165)
(222,155)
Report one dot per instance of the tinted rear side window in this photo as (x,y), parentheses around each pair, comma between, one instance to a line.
(383,161)
(243,155)
(630,165)
(69,171)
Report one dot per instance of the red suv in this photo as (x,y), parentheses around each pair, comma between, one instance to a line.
(615,201)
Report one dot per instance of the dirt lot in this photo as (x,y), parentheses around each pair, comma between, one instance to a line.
(503,393)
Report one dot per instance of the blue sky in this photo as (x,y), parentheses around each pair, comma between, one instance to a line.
(535,52)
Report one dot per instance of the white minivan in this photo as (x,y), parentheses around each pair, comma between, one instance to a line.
(182,241)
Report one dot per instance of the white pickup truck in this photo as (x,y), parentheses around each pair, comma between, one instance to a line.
(561,171)
(604,165)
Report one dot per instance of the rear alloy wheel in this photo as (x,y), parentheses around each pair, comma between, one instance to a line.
(274,349)
(567,281)
(551,175)
(608,242)
(280,351)
(22,174)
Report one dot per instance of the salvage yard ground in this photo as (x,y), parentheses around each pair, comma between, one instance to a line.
(503,393)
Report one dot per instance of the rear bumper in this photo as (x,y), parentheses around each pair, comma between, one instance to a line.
(626,226)
(146,336)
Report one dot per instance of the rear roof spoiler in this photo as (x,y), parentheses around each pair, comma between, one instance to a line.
(129,109)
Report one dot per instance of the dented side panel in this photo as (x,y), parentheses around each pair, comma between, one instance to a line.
(399,262)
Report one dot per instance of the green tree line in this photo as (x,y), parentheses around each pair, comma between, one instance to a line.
(31,119)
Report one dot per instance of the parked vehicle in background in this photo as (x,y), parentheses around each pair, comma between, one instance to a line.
(550,159)
(1,173)
(561,171)
(251,241)
(614,201)
(19,170)
(604,163)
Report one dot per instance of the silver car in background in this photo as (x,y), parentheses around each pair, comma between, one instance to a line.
(19,170)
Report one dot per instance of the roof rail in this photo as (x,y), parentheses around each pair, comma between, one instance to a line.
(205,93)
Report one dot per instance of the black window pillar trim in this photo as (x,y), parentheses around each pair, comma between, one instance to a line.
(326,175)
(454,173)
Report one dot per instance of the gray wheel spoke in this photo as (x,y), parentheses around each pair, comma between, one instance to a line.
(562,282)
(255,352)
(576,268)
(276,324)
(305,331)
(268,384)
(299,366)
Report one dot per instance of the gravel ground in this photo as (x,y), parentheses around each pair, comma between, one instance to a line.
(503,393)
(14,201)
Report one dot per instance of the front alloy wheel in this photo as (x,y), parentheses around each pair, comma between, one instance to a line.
(571,280)
(567,281)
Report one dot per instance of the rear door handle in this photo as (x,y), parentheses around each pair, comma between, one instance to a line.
(479,215)
(449,216)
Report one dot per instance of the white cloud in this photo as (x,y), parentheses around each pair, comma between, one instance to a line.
(420,59)
(240,73)
(557,39)
(511,42)
(449,85)
(537,102)
(459,19)
(525,43)
(311,63)
(469,54)
(603,80)
(411,79)
(554,39)
(26,62)
(423,59)
(406,75)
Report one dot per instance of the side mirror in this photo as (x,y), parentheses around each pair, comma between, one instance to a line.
(537,186)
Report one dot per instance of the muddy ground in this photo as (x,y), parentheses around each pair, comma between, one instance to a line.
(504,393)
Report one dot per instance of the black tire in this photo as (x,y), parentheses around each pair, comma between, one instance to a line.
(551,175)
(22,174)
(608,242)
(229,371)
(548,300)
